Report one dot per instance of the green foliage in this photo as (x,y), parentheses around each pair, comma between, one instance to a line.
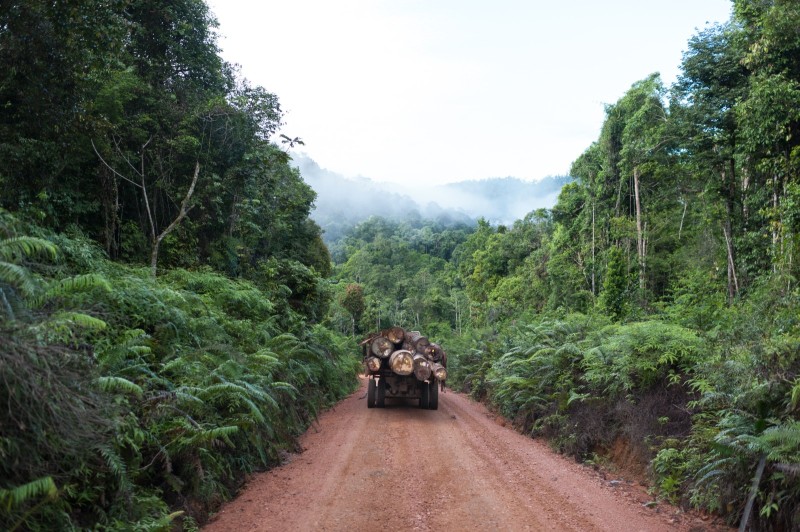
(186,384)
(353,302)
(615,297)
(639,356)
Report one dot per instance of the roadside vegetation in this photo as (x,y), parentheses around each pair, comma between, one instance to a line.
(162,288)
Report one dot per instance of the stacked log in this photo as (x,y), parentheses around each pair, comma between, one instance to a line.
(382,347)
(422,367)
(402,362)
(434,352)
(405,352)
(396,335)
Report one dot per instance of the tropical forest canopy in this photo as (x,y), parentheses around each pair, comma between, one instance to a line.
(172,319)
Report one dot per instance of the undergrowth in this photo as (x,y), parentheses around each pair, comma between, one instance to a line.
(699,408)
(132,403)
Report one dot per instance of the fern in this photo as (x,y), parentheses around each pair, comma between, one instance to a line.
(79,319)
(18,277)
(219,433)
(781,443)
(116,465)
(15,249)
(16,497)
(64,288)
(118,384)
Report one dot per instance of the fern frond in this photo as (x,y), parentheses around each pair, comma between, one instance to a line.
(76,319)
(72,285)
(781,442)
(183,395)
(18,277)
(255,412)
(14,497)
(222,433)
(16,248)
(115,464)
(118,384)
(215,390)
(285,386)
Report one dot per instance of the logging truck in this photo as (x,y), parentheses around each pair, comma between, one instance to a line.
(403,364)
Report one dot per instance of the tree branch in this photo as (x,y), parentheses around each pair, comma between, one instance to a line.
(185,208)
(111,168)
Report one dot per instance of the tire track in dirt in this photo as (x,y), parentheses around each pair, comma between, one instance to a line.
(402,468)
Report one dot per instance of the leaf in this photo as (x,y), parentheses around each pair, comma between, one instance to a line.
(77,319)
(795,394)
(18,277)
(16,248)
(14,497)
(118,384)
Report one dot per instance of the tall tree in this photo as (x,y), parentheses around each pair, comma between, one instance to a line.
(642,140)
(703,106)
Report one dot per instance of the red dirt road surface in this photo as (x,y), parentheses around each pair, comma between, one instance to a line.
(456,468)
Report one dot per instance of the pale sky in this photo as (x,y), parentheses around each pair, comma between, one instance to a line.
(437,91)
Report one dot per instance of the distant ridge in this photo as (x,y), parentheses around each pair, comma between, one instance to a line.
(342,202)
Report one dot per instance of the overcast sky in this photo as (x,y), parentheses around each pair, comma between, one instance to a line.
(436,91)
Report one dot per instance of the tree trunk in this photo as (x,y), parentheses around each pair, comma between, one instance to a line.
(727,229)
(422,367)
(733,282)
(415,342)
(639,232)
(774,224)
(110,212)
(171,227)
(683,217)
(594,291)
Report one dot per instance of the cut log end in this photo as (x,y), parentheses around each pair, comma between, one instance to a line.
(402,362)
(374,364)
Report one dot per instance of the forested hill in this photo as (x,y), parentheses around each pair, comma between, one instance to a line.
(343,202)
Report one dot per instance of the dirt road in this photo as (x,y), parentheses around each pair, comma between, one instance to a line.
(456,468)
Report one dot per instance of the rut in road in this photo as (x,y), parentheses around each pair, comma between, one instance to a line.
(403,468)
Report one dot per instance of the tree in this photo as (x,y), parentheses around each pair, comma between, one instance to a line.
(354,303)
(54,58)
(614,297)
(769,119)
(703,108)
(642,138)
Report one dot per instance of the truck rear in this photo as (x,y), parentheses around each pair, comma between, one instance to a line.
(403,364)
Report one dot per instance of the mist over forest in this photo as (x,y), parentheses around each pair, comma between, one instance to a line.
(342,202)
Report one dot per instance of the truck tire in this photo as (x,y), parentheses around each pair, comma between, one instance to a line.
(380,400)
(433,395)
(371,394)
(424,395)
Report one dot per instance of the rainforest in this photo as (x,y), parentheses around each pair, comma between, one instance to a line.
(171,318)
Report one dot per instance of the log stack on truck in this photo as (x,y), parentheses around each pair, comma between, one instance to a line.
(403,364)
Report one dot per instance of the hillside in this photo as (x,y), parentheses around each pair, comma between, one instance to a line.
(342,202)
